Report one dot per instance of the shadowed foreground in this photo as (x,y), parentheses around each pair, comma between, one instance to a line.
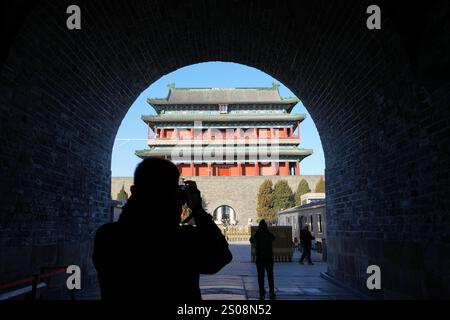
(238,281)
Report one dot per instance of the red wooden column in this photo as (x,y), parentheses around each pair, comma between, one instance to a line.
(255,132)
(297,168)
(272,133)
(210,173)
(240,171)
(192,169)
(161,135)
(257,168)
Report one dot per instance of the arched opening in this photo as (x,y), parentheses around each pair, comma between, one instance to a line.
(64,96)
(225,215)
(136,136)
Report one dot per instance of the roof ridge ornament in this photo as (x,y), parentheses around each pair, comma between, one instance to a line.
(171,85)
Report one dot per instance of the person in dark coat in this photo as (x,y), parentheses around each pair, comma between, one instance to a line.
(148,255)
(263,240)
(295,244)
(306,243)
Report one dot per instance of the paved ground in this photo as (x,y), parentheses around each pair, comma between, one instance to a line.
(238,281)
(293,281)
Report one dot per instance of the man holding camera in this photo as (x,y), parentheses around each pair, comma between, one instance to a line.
(148,254)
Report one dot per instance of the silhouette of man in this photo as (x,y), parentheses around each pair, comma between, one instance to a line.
(148,253)
(306,243)
(263,240)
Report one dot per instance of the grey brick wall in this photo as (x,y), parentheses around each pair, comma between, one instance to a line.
(240,193)
(379,100)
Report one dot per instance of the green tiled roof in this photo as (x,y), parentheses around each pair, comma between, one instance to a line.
(243,95)
(282,151)
(222,117)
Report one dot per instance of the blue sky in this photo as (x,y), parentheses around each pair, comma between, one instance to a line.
(210,74)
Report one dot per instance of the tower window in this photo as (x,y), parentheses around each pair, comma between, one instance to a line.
(223,108)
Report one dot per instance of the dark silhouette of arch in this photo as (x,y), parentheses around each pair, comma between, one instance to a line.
(379,101)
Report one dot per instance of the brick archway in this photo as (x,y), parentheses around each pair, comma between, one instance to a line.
(379,105)
(231,214)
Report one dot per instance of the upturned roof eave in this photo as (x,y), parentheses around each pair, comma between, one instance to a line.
(296,209)
(150,119)
(165,102)
(300,153)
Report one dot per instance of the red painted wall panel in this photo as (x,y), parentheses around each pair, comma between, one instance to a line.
(268,169)
(234,170)
(250,170)
(284,168)
(168,133)
(202,170)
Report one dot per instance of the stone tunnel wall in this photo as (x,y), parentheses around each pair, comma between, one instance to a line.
(379,103)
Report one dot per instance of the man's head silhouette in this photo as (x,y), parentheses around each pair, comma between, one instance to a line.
(155,191)
(263,225)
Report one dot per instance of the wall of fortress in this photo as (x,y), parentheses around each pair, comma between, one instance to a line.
(240,193)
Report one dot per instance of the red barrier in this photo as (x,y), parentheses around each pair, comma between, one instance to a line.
(35,278)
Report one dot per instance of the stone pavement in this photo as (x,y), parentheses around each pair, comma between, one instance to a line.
(238,280)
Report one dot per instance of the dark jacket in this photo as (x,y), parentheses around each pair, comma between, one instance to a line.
(306,238)
(150,261)
(263,240)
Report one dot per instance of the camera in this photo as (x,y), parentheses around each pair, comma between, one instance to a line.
(186,215)
(182,192)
